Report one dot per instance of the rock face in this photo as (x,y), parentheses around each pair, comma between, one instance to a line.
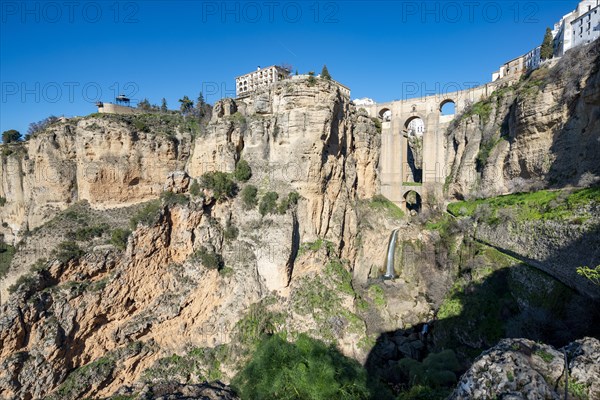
(106,161)
(523,369)
(540,132)
(91,325)
(302,138)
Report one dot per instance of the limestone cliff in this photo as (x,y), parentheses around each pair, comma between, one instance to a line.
(103,322)
(540,132)
(108,161)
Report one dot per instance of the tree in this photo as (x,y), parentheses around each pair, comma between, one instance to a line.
(311,78)
(163,105)
(249,196)
(11,136)
(36,127)
(201,105)
(325,73)
(592,274)
(306,369)
(547,50)
(145,105)
(187,105)
(242,172)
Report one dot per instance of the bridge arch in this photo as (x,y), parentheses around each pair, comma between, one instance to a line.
(415,125)
(448,107)
(412,201)
(385,114)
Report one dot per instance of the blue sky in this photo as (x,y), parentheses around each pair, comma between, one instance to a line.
(60,57)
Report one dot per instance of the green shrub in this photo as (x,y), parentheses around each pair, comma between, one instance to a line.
(268,204)
(67,251)
(436,370)
(242,172)
(209,259)
(118,238)
(82,379)
(249,196)
(2,201)
(231,231)
(288,202)
(87,233)
(7,253)
(377,124)
(27,280)
(306,369)
(220,183)
(147,215)
(195,188)
(170,199)
(141,126)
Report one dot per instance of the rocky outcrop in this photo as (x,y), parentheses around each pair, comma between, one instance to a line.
(94,324)
(523,369)
(107,160)
(177,391)
(542,131)
(299,138)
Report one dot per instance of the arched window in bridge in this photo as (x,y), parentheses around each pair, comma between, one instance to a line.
(447,107)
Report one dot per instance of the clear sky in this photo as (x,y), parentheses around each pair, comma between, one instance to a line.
(60,57)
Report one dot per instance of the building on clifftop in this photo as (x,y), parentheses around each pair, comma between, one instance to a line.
(262,77)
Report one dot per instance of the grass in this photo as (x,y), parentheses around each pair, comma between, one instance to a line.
(412,183)
(377,294)
(381,204)
(540,205)
(544,355)
(316,246)
(7,253)
(147,215)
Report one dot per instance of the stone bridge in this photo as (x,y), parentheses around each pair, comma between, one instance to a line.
(413,119)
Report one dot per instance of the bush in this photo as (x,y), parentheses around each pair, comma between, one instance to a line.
(290,201)
(147,215)
(195,188)
(68,251)
(230,231)
(88,233)
(268,203)
(2,201)
(6,255)
(436,370)
(242,172)
(220,184)
(170,199)
(209,259)
(36,127)
(306,369)
(118,238)
(11,136)
(249,196)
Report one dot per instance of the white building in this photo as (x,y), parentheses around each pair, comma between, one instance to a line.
(567,34)
(586,27)
(580,26)
(416,127)
(533,59)
(260,78)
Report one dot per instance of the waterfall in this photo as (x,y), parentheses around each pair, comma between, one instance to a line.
(389,265)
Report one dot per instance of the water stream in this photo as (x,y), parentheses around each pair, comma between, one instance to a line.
(389,265)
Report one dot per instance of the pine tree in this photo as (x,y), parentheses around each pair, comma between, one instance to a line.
(163,105)
(186,105)
(325,73)
(547,50)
